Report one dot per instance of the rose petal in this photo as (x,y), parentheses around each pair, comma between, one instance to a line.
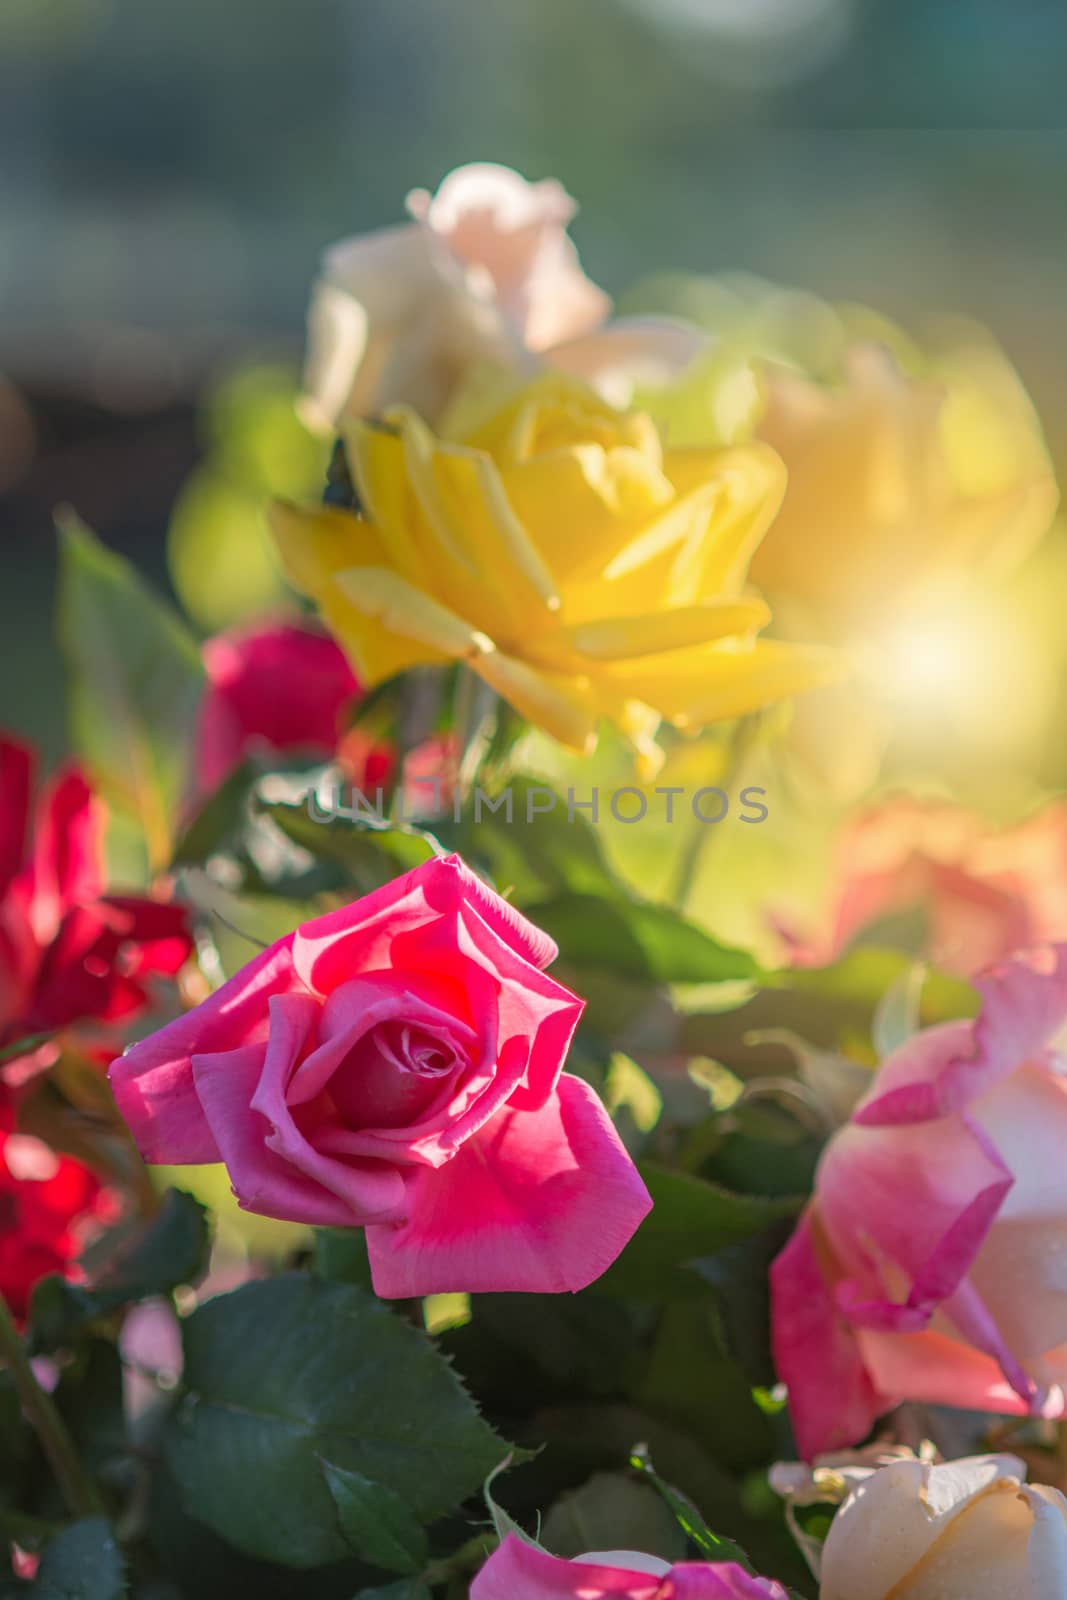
(332,949)
(833,1400)
(153,1082)
(538,1201)
(370,1191)
(262,1180)
(519,1571)
(1024,1006)
(891,1520)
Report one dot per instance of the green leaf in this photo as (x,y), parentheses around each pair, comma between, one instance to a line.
(375,1523)
(710,1545)
(134,1261)
(371,853)
(896,1016)
(221,821)
(82,1563)
(637,941)
(529,851)
(284,1373)
(406,1589)
(690,1218)
(135,682)
(340,1254)
(692,1381)
(611,1512)
(503,1523)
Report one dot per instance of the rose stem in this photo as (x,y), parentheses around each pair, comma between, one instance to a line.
(79,1491)
(693,851)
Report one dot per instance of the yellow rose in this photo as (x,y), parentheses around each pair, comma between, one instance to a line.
(582,569)
(898,483)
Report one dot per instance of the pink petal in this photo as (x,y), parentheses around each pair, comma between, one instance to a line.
(833,1400)
(696,1580)
(519,1571)
(369,1191)
(538,1201)
(920,1200)
(528,1004)
(354,1009)
(934,1369)
(153,1082)
(359,938)
(1024,1006)
(262,1180)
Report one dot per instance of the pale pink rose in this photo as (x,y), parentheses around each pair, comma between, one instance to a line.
(484,272)
(985,892)
(962,1530)
(520,1571)
(396,1065)
(930,1263)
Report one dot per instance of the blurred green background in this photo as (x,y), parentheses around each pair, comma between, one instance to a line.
(169,173)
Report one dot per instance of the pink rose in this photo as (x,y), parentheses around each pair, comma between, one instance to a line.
(985,892)
(929,1265)
(396,1065)
(278,685)
(519,1571)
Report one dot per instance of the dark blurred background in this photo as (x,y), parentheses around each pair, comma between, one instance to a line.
(169,172)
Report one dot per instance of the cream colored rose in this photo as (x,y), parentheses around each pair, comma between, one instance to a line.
(484,273)
(963,1530)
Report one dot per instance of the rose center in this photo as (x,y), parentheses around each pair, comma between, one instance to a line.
(391,1076)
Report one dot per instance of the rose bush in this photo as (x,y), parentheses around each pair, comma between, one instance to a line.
(963,1530)
(928,1265)
(579,566)
(519,1571)
(396,1065)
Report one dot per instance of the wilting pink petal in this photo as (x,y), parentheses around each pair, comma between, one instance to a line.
(833,1400)
(941,1210)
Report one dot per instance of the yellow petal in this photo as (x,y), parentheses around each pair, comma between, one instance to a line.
(564,706)
(387,598)
(376,457)
(314,543)
(752,483)
(713,682)
(619,638)
(314,546)
(463,500)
